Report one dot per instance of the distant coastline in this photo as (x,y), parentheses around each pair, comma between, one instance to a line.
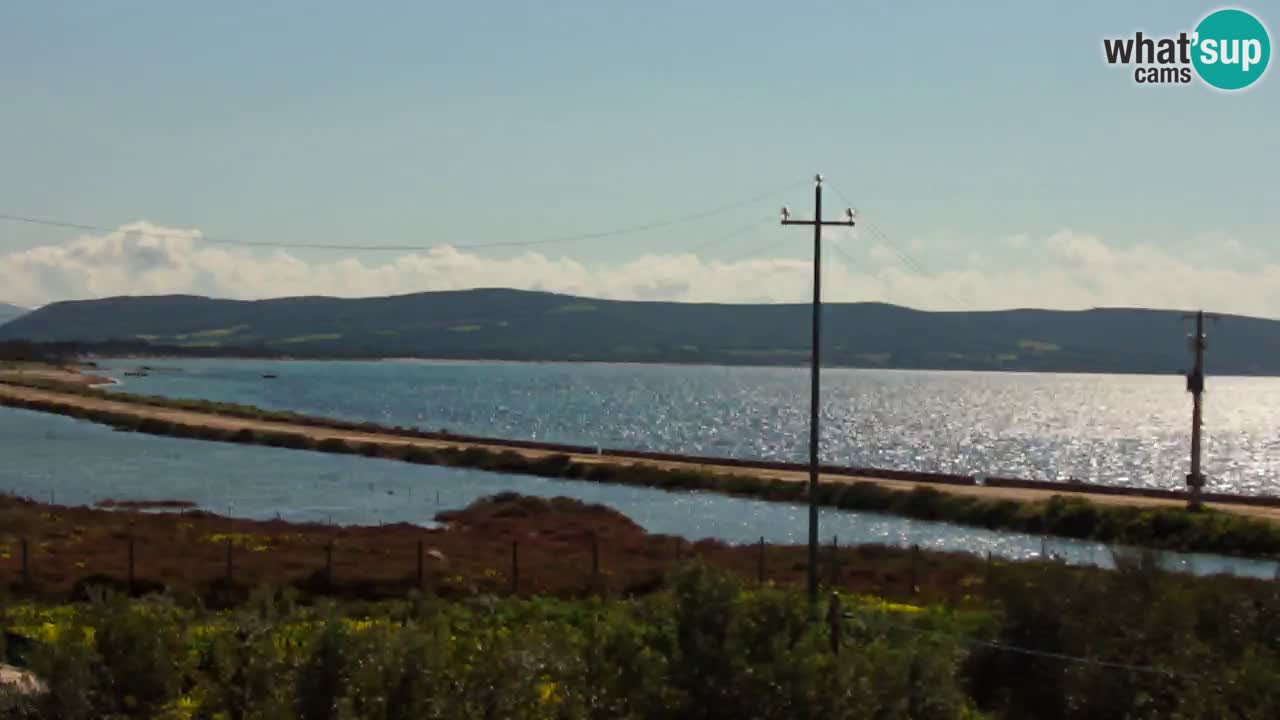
(503,325)
(641,363)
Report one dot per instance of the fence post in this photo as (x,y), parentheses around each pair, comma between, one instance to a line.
(26,565)
(328,565)
(834,617)
(230,572)
(419,574)
(760,563)
(132,586)
(515,567)
(835,560)
(595,563)
(915,569)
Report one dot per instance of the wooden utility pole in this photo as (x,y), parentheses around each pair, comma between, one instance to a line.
(1195,386)
(814,404)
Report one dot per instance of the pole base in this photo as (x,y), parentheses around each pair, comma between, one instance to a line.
(1195,482)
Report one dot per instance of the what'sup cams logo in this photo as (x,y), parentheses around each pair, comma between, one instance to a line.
(1228,50)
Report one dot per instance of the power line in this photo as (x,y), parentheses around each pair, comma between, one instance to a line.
(653,225)
(901,252)
(773,243)
(844,254)
(885,621)
(707,245)
(904,256)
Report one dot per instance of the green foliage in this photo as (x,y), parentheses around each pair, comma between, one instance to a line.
(313,337)
(523,325)
(324,674)
(138,644)
(1052,642)
(1163,645)
(71,669)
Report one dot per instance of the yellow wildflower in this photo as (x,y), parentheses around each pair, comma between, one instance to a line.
(547,693)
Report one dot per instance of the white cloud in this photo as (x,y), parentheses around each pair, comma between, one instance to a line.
(1069,270)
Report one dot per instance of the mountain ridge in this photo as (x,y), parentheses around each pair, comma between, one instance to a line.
(9,312)
(503,323)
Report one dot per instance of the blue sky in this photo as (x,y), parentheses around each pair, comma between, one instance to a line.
(987,141)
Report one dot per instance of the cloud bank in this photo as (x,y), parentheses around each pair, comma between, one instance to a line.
(1066,270)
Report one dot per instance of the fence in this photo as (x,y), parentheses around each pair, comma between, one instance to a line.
(388,562)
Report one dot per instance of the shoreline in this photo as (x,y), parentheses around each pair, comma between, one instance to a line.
(645,363)
(899,479)
(1234,525)
(185,551)
(993,488)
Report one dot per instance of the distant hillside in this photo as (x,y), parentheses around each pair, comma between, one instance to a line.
(9,312)
(519,325)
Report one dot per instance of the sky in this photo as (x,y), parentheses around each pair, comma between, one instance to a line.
(993,158)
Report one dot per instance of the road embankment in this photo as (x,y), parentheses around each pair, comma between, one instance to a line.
(1233,525)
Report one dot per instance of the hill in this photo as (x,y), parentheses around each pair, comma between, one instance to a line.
(9,312)
(521,325)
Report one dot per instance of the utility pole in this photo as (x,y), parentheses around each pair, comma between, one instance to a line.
(1195,386)
(814,403)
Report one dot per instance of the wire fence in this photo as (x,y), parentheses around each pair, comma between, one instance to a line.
(585,565)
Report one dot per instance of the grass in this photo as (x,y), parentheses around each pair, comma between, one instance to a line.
(185,554)
(1036,346)
(1045,642)
(576,307)
(218,332)
(315,337)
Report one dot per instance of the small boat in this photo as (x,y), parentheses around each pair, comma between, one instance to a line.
(134,373)
(268,376)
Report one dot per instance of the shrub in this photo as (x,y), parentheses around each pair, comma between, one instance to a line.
(333,445)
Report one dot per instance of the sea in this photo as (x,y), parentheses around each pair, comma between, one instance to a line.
(1124,430)
(1129,430)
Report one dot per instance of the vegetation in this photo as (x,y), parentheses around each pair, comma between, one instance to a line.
(313,337)
(1053,643)
(1170,528)
(520,325)
(566,548)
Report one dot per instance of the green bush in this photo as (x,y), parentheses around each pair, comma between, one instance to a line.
(333,445)
(1047,641)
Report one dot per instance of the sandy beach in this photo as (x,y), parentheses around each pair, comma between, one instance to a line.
(66,374)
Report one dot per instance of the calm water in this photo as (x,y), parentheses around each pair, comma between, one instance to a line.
(1117,429)
(51,457)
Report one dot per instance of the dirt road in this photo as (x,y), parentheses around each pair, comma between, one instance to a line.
(13,394)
